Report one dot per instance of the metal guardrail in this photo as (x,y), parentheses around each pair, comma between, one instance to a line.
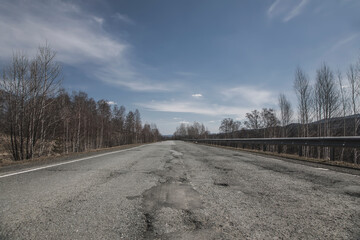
(331,142)
(351,142)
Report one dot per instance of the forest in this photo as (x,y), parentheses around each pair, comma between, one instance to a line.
(39,118)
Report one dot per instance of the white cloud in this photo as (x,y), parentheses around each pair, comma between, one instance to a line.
(99,20)
(72,33)
(194,107)
(197,95)
(127,77)
(344,41)
(296,10)
(111,103)
(272,8)
(64,26)
(250,96)
(286,9)
(123,18)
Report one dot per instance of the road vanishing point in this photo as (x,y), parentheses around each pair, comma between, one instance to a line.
(179,190)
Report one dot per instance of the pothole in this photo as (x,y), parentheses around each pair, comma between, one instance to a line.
(238,155)
(191,220)
(223,168)
(171,194)
(176,154)
(115,174)
(168,208)
(149,223)
(132,197)
(222,184)
(353,191)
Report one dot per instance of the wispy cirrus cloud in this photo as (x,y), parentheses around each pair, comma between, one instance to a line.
(287,10)
(252,96)
(194,107)
(272,8)
(344,41)
(123,18)
(295,11)
(78,37)
(75,35)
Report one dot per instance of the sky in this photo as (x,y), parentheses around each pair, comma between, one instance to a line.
(185,61)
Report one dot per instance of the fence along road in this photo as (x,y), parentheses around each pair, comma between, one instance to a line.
(180,190)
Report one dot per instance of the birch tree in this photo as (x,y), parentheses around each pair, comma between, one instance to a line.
(286,113)
(303,92)
(328,96)
(353,76)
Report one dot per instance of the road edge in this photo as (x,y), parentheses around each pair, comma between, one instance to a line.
(41,163)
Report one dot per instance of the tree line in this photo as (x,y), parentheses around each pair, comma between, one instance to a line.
(191,131)
(38,117)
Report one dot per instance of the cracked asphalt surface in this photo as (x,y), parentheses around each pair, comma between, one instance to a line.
(178,190)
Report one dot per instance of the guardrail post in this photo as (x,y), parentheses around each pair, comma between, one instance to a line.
(264,147)
(300,151)
(332,153)
(279,149)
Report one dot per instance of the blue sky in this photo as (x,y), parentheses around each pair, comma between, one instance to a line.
(185,61)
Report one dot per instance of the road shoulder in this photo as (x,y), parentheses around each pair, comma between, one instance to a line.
(334,166)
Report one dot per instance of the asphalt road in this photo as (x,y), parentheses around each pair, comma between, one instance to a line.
(177,190)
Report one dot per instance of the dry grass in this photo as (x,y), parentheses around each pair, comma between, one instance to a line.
(7,161)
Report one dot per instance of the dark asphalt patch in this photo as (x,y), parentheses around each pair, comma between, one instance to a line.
(221,184)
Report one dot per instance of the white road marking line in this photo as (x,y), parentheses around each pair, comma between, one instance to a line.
(324,169)
(63,163)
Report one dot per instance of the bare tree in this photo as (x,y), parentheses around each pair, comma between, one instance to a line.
(286,113)
(270,122)
(253,120)
(181,131)
(130,127)
(15,84)
(343,99)
(30,88)
(194,131)
(155,132)
(328,96)
(118,122)
(344,106)
(303,92)
(50,80)
(328,100)
(229,125)
(353,76)
(104,113)
(138,126)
